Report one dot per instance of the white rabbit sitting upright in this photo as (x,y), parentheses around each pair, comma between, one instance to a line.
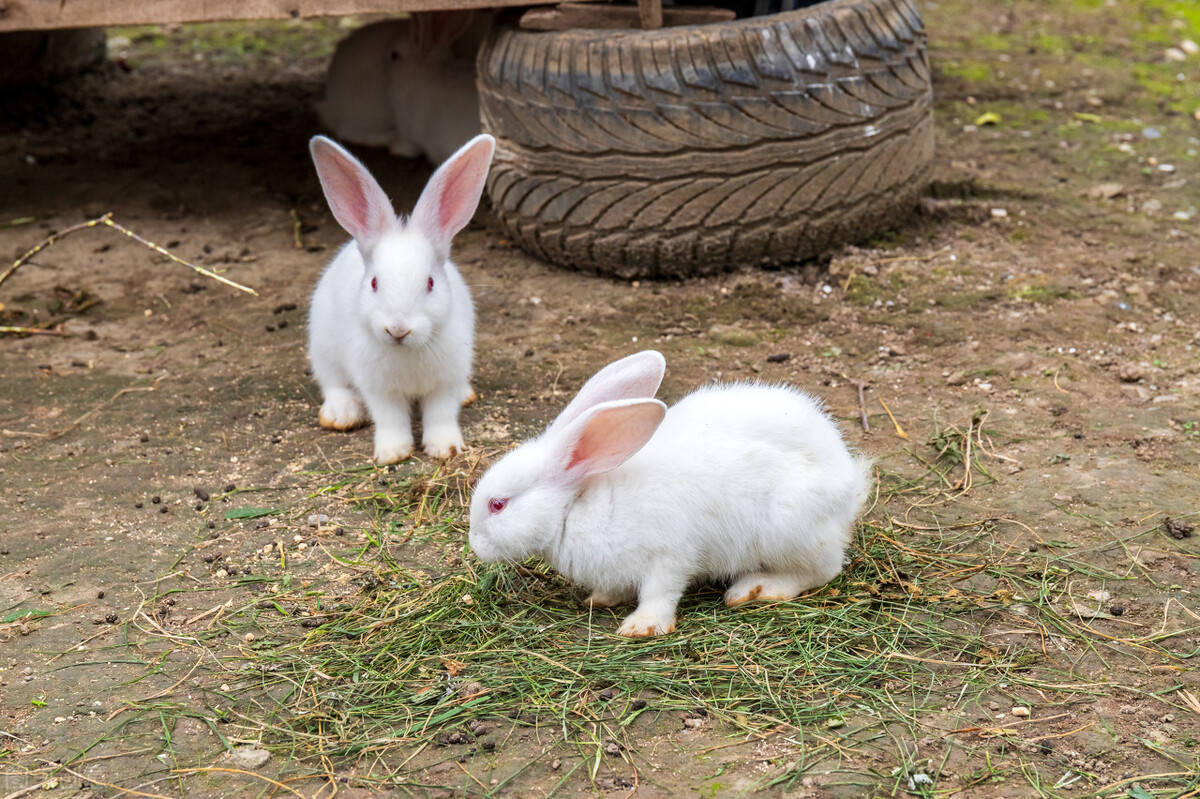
(392,320)
(742,481)
(407,84)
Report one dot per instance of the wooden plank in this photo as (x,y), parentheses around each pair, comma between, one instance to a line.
(577,15)
(651,14)
(16,15)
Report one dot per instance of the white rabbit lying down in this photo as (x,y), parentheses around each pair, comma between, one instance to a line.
(392,321)
(743,481)
(407,84)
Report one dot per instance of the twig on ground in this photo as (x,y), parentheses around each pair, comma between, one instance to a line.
(75,647)
(1056,385)
(899,430)
(122,392)
(46,242)
(122,791)
(106,219)
(297,230)
(915,258)
(37,786)
(862,404)
(276,783)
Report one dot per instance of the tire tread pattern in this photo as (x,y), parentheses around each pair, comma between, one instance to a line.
(693,150)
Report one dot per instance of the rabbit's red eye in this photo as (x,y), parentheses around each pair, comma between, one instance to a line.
(374,284)
(429,285)
(497,504)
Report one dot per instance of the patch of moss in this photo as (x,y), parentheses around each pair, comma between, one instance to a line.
(1050,43)
(1040,293)
(958,300)
(971,71)
(861,290)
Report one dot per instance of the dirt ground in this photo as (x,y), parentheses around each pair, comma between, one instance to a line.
(1045,299)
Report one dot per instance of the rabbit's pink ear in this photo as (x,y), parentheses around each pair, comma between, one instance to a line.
(357,201)
(636,376)
(607,435)
(452,194)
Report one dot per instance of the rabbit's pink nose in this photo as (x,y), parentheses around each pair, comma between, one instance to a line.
(399,334)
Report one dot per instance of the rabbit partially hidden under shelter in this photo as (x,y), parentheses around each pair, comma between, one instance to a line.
(741,481)
(407,84)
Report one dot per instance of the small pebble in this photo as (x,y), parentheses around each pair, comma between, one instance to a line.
(249,757)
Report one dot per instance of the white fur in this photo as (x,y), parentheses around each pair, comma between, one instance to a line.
(435,106)
(355,107)
(408,85)
(743,481)
(361,366)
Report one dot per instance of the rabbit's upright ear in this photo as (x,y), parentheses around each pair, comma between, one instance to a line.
(452,194)
(605,436)
(636,376)
(356,199)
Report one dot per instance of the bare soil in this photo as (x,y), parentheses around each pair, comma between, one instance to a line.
(1049,287)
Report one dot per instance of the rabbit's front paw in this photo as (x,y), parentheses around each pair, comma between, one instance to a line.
(392,448)
(342,411)
(641,624)
(443,442)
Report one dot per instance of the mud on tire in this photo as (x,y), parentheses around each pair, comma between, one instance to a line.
(693,150)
